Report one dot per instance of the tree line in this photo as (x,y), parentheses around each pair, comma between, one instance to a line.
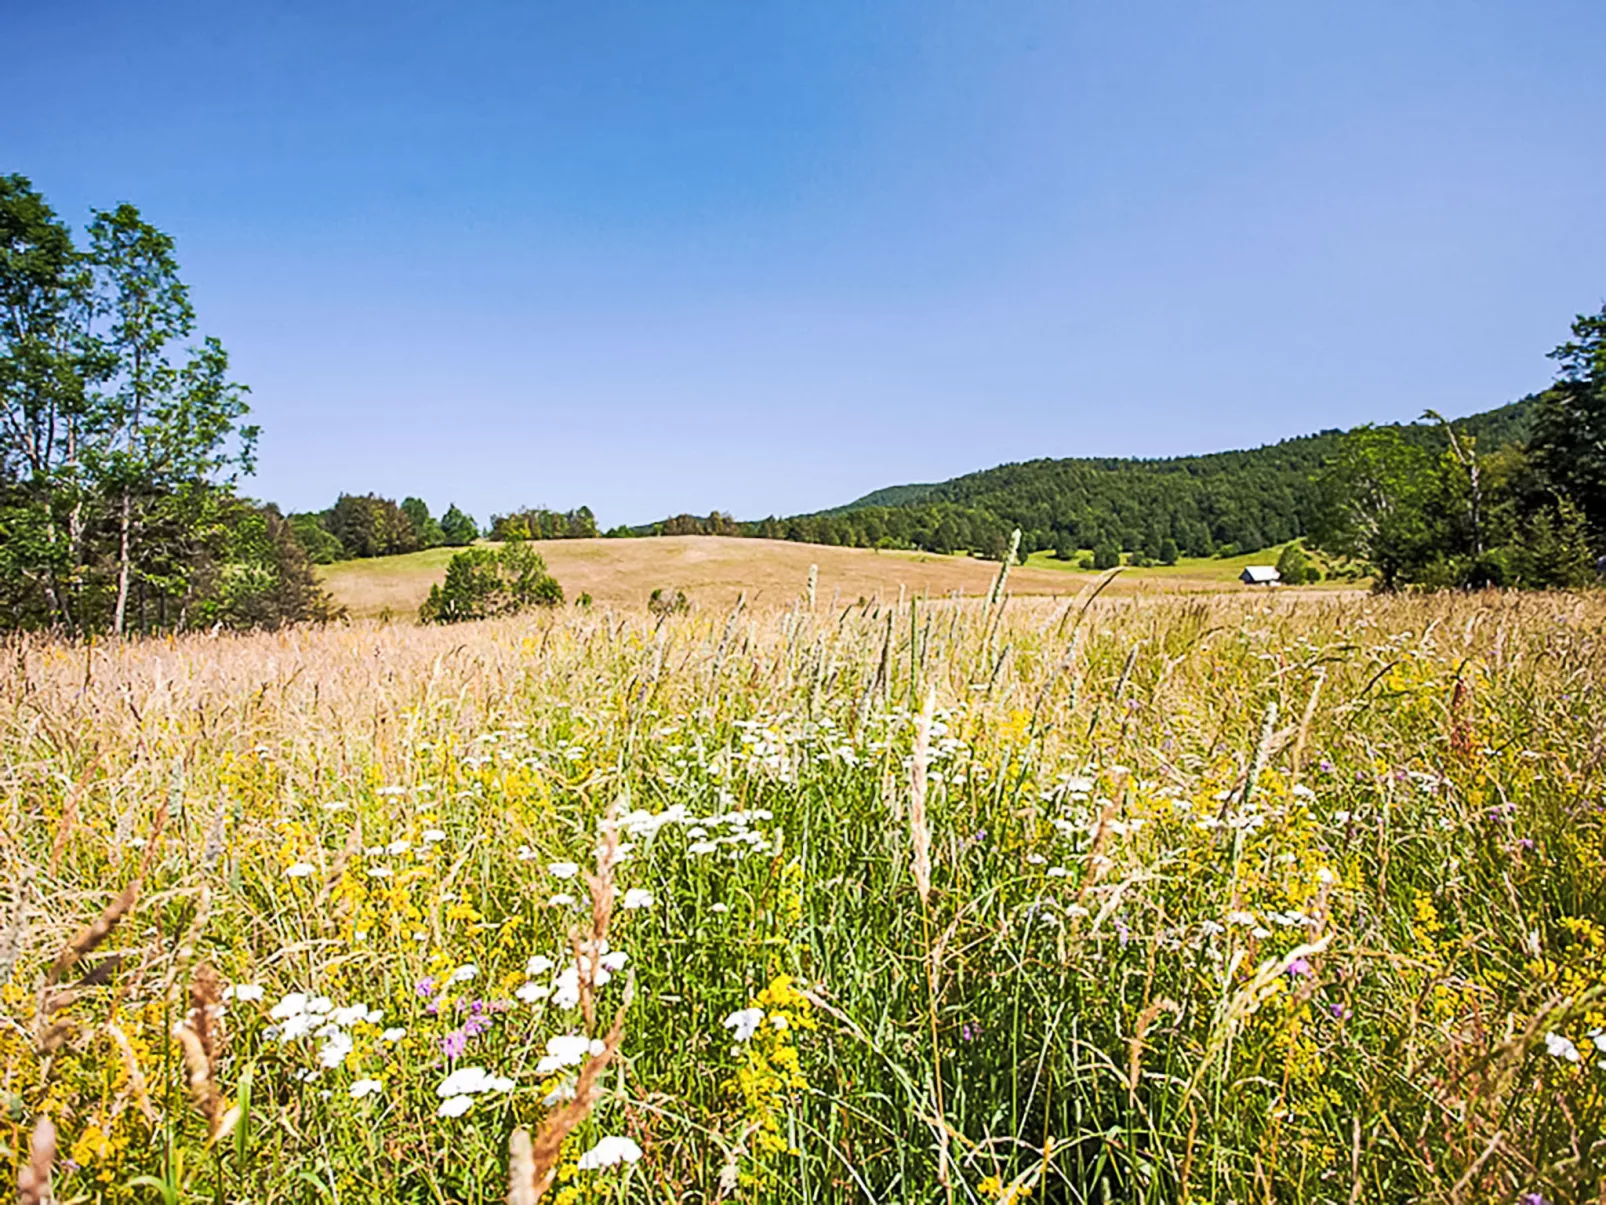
(1140,510)
(1512,497)
(366,525)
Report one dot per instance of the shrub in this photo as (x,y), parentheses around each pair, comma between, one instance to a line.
(1293,567)
(661,602)
(482,583)
(1106,556)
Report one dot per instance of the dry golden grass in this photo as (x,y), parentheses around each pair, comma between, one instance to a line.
(713,570)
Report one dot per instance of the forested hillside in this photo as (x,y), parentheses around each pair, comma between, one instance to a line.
(1194,505)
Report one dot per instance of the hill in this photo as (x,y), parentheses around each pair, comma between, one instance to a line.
(1218,503)
(892,495)
(712,570)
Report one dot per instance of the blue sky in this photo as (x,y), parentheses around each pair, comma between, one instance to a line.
(766,256)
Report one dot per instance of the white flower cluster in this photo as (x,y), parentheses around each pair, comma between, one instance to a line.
(563,989)
(459,1089)
(301,1015)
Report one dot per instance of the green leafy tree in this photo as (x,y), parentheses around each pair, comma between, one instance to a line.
(254,573)
(172,431)
(482,583)
(426,531)
(1569,441)
(1106,555)
(457,528)
(45,415)
(321,546)
(1169,552)
(1554,549)
(367,525)
(1378,505)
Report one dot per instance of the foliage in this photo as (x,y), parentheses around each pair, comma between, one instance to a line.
(718,523)
(1107,555)
(322,546)
(1201,504)
(119,446)
(256,573)
(1460,518)
(482,583)
(1569,442)
(1293,566)
(1272,899)
(368,525)
(458,529)
(426,530)
(663,601)
(538,524)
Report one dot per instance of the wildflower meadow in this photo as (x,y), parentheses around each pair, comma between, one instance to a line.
(1159,899)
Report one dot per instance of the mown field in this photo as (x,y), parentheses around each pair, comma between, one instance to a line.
(714,570)
(1209,898)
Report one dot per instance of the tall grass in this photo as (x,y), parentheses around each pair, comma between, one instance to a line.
(1171,900)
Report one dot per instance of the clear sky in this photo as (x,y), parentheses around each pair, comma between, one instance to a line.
(767,255)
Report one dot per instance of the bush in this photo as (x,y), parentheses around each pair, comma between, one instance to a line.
(1293,567)
(1169,551)
(1106,556)
(482,583)
(1085,561)
(661,603)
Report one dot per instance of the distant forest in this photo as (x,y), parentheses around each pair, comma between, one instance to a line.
(1217,504)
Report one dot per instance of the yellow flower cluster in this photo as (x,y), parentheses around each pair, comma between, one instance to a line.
(771,1069)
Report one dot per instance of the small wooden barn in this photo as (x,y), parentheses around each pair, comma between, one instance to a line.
(1260,575)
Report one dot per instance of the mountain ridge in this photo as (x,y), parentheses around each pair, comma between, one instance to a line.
(1509,423)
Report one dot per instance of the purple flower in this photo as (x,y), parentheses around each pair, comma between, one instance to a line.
(969,1031)
(1533,1198)
(1339,1011)
(454,1044)
(425,987)
(1325,766)
(1299,967)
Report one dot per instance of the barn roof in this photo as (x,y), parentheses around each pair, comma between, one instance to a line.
(1260,575)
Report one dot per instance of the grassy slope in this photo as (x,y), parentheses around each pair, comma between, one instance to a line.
(1189,569)
(712,570)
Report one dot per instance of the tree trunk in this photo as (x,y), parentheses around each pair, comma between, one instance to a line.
(124,524)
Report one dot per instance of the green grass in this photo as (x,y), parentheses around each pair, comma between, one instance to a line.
(1195,568)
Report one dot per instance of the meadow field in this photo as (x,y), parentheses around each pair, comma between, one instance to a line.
(1209,898)
(714,570)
